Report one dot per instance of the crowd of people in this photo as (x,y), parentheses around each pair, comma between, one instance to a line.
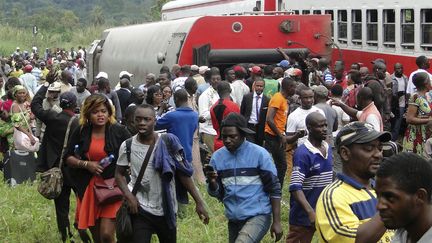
(244,132)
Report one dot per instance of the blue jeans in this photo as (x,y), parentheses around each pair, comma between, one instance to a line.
(397,124)
(250,230)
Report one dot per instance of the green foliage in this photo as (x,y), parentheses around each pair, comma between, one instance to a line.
(67,23)
(11,37)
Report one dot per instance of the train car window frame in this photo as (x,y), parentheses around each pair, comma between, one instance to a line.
(342,26)
(331,12)
(426,29)
(407,28)
(389,27)
(356,26)
(372,27)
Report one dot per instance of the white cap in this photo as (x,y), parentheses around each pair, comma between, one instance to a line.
(203,69)
(55,87)
(194,68)
(123,73)
(102,75)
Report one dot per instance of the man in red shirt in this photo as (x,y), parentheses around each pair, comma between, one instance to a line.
(221,109)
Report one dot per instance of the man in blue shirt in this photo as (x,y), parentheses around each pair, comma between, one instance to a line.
(242,175)
(312,172)
(182,122)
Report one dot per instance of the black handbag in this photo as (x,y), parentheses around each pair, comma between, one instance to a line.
(124,229)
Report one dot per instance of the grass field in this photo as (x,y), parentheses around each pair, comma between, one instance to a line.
(12,37)
(27,217)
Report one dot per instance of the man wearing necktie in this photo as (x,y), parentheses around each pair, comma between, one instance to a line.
(254,109)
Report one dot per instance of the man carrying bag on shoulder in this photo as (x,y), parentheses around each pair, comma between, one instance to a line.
(152,203)
(58,126)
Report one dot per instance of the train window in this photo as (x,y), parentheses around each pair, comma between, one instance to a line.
(317,12)
(426,28)
(306,11)
(407,25)
(296,12)
(356,26)
(389,27)
(332,19)
(342,25)
(372,27)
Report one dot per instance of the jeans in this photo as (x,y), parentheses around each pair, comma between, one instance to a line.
(250,230)
(397,124)
(272,144)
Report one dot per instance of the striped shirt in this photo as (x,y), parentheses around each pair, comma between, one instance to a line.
(312,172)
(342,207)
(327,76)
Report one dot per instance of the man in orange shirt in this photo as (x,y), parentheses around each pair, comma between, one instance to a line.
(275,139)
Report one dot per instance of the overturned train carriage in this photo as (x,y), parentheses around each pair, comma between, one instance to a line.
(209,40)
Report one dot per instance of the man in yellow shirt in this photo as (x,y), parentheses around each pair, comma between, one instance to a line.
(346,209)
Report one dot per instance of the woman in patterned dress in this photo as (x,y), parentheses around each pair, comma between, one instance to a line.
(418,115)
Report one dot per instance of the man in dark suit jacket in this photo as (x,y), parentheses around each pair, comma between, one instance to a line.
(124,94)
(249,110)
(49,153)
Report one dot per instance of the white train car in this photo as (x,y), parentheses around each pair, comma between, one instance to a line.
(395,30)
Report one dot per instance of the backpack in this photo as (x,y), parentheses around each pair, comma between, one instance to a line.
(351,98)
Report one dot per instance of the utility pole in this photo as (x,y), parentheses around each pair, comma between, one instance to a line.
(35,31)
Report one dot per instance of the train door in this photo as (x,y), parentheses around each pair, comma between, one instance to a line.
(174,47)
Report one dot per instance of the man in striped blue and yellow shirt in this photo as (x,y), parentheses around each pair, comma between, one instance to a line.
(346,209)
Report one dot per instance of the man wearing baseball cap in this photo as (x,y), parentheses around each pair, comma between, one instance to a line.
(243,176)
(346,209)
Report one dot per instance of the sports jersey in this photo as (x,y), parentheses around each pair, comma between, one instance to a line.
(342,207)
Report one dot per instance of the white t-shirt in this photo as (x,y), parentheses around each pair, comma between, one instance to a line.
(238,90)
(149,194)
(297,121)
(410,86)
(342,117)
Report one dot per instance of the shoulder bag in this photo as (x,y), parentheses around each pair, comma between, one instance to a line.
(22,141)
(124,228)
(51,181)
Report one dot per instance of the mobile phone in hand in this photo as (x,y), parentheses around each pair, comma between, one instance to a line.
(208,168)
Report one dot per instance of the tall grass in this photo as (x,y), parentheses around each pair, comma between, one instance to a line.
(27,217)
(11,37)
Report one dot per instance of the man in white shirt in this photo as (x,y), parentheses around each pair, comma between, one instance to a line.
(178,83)
(423,65)
(205,102)
(297,119)
(238,86)
(399,84)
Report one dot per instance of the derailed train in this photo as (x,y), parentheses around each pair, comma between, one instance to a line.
(208,40)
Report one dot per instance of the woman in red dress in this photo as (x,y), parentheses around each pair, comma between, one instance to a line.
(97,137)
